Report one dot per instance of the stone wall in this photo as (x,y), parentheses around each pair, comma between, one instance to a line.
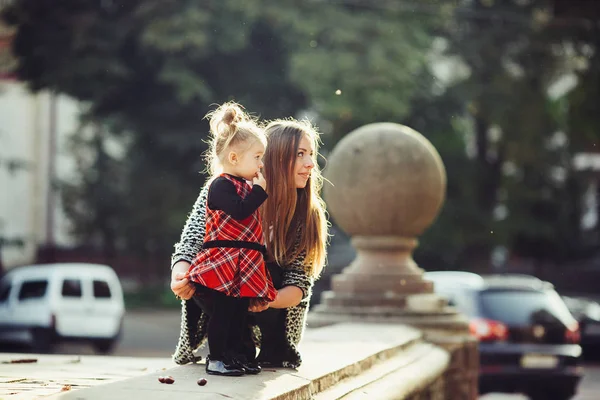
(462,375)
(435,391)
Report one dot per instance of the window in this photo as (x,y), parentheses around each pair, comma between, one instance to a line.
(461,299)
(4,291)
(33,290)
(520,307)
(71,288)
(101,290)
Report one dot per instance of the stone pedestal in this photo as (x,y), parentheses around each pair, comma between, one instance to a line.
(388,185)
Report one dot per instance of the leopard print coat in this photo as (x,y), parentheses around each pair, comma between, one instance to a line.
(194,322)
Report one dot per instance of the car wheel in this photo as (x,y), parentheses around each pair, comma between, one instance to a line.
(44,340)
(104,346)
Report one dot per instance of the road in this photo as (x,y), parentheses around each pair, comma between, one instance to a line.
(589,388)
(155,334)
(145,334)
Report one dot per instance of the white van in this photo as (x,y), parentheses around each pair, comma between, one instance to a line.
(43,304)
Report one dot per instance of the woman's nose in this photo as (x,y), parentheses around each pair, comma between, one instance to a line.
(261,165)
(310,163)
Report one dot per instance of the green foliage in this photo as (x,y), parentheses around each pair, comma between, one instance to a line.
(95,200)
(515,51)
(441,119)
(149,71)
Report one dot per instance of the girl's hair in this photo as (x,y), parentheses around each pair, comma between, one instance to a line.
(291,214)
(230,127)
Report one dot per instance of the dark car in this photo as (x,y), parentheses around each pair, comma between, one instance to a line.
(528,339)
(587,313)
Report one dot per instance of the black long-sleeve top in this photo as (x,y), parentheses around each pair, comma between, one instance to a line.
(222,195)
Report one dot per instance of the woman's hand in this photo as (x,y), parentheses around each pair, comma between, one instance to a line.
(258,305)
(180,285)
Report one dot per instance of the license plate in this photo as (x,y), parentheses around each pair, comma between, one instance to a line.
(538,361)
(592,329)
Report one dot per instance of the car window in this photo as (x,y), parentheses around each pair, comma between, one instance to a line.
(463,300)
(33,289)
(524,307)
(101,290)
(4,291)
(71,288)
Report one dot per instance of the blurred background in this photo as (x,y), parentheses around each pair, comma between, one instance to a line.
(102,130)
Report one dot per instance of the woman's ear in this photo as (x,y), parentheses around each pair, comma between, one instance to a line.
(232,157)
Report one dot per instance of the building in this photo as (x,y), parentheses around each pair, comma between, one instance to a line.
(34,129)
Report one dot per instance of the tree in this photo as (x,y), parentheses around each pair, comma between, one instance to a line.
(440,117)
(149,70)
(94,200)
(525,190)
(364,67)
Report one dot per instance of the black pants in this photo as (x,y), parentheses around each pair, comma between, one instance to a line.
(228,323)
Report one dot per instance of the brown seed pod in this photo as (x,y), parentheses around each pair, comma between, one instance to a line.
(161,379)
(169,380)
(202,382)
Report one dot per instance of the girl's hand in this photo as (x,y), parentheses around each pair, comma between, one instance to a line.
(180,285)
(258,305)
(260,180)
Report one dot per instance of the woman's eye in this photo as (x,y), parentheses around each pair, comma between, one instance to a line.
(300,154)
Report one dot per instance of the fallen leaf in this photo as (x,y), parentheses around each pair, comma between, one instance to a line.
(65,388)
(21,361)
(17,380)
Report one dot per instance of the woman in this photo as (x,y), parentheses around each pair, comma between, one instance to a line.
(295,234)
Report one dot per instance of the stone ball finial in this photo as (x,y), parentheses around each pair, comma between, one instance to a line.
(388,180)
(389,184)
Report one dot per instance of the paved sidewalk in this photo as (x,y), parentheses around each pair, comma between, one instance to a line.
(31,376)
(330,354)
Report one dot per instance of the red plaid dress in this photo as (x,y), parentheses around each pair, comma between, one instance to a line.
(231,260)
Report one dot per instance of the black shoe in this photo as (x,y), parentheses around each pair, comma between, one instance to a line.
(218,367)
(279,357)
(249,367)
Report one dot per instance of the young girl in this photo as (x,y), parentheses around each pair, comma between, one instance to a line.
(231,261)
(297,245)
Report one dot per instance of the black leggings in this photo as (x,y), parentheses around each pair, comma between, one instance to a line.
(227,325)
(229,313)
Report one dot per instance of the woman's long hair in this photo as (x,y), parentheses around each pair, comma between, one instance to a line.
(294,219)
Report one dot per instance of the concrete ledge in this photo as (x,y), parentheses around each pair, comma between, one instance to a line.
(407,374)
(331,355)
(347,360)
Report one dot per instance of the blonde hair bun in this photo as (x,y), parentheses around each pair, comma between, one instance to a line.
(231,115)
(224,120)
(229,125)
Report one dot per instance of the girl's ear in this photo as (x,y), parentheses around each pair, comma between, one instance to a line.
(232,157)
